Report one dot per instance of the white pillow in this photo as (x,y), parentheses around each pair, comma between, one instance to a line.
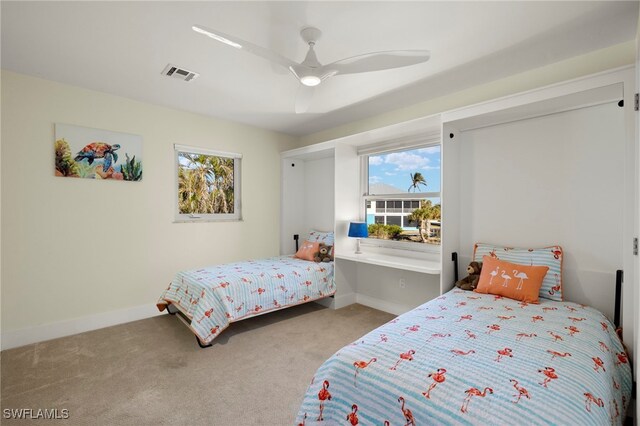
(321,237)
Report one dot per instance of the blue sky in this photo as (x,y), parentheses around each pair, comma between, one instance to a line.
(394,168)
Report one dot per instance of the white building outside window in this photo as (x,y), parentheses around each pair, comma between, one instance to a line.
(402,197)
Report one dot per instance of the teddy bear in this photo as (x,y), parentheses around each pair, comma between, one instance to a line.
(471,282)
(323,253)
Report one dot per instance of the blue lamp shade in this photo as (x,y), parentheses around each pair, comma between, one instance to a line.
(358,230)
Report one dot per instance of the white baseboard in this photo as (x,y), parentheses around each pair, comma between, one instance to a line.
(41,333)
(326,302)
(345,300)
(338,301)
(382,305)
(349,299)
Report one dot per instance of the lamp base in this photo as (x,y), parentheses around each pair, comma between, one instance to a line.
(358,251)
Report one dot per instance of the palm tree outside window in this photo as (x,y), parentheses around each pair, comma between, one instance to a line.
(208,184)
(416,180)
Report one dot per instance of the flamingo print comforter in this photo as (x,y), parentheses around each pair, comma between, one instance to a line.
(214,297)
(468,358)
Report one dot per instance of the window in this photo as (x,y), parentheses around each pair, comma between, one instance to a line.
(208,185)
(402,197)
(394,220)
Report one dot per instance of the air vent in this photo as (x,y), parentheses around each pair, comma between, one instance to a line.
(180,73)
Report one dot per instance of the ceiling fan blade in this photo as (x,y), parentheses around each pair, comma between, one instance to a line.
(240,44)
(303,98)
(378,61)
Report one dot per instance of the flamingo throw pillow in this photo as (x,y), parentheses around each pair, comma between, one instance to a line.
(547,256)
(519,282)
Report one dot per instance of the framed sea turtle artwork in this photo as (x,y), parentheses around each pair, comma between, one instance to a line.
(83,152)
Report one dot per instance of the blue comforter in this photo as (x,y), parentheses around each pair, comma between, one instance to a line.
(467,358)
(214,297)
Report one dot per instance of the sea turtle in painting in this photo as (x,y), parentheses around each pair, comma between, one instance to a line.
(99,150)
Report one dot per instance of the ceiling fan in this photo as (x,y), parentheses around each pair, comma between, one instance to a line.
(310,72)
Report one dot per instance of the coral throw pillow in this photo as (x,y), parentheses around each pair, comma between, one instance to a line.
(547,256)
(519,282)
(307,250)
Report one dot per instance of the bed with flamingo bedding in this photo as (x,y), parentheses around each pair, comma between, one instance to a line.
(469,358)
(209,299)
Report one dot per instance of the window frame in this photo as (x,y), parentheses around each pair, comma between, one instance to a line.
(236,216)
(366,197)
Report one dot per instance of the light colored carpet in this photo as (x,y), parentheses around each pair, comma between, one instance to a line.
(152,371)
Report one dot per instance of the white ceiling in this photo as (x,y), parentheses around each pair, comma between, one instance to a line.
(121,48)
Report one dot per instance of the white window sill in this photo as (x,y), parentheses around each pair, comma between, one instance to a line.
(400,246)
(425,266)
(201,220)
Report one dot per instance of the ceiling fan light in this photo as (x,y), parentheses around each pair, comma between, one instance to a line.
(310,80)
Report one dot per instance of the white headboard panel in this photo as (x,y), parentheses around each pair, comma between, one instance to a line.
(556,179)
(307,198)
(319,195)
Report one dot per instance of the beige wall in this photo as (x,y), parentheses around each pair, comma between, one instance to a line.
(73,248)
(593,62)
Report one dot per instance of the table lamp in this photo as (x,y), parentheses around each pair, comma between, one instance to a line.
(358,230)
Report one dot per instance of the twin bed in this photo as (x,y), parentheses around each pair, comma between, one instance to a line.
(478,357)
(462,358)
(209,299)
(468,358)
